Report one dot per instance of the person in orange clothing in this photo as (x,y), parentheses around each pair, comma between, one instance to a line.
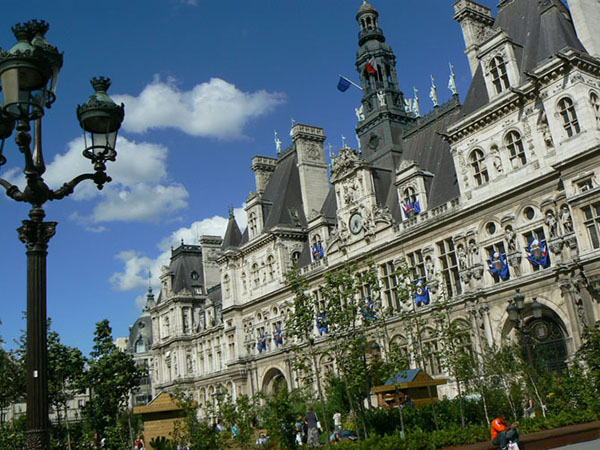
(502,434)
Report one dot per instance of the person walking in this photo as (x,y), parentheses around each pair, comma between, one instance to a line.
(502,433)
(139,443)
(337,420)
(312,423)
(528,407)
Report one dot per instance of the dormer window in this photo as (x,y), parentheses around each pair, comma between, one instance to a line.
(410,203)
(516,149)
(499,74)
(566,109)
(252,223)
(140,346)
(478,167)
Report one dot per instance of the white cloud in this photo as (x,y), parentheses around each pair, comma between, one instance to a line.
(137,192)
(136,265)
(212,109)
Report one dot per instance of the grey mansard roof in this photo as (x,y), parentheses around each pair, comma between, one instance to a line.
(186,266)
(425,145)
(541,28)
(283,194)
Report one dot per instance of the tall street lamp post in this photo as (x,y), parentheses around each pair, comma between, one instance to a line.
(28,75)
(515,311)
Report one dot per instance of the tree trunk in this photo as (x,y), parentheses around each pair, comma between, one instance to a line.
(317,376)
(435,421)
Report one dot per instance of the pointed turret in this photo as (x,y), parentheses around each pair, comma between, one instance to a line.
(233,235)
(385,117)
(150,303)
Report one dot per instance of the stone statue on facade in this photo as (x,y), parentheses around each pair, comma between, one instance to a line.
(566,223)
(462,258)
(381,98)
(360,114)
(511,239)
(551,223)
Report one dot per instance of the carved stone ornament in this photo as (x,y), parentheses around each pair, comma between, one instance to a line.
(477,271)
(346,160)
(556,245)
(312,151)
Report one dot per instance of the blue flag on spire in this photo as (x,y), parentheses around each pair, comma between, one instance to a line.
(343,84)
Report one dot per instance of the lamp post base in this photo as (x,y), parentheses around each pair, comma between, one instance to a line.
(38,439)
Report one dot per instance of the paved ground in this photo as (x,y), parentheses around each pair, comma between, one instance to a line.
(592,445)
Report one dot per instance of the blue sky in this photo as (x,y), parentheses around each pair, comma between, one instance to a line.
(205,84)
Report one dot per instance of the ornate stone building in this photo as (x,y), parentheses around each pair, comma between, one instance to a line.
(482,198)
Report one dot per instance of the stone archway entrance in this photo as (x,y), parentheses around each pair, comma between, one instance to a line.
(548,343)
(273,382)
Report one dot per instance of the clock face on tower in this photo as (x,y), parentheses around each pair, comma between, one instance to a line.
(355,223)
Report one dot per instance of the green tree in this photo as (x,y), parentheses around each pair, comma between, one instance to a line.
(12,381)
(112,377)
(190,428)
(299,327)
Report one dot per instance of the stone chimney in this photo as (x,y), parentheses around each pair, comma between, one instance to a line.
(263,168)
(474,20)
(586,17)
(312,166)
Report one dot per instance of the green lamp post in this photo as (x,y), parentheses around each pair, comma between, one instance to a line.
(28,76)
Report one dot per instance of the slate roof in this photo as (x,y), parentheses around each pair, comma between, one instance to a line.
(542,28)
(233,235)
(283,195)
(425,145)
(187,268)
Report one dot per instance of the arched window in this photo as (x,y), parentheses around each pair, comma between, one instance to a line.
(252,224)
(271,267)
(244,282)
(499,75)
(226,287)
(140,346)
(255,275)
(478,167)
(595,101)
(516,149)
(566,109)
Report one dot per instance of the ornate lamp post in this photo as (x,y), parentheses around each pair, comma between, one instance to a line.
(515,310)
(28,74)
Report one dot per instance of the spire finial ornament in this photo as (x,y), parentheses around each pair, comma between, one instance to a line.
(231,211)
(433,93)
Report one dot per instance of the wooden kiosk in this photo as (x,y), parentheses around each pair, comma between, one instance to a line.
(159,417)
(412,383)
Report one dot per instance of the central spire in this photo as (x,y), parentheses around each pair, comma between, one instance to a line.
(383,106)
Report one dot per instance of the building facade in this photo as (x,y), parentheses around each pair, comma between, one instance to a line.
(497,193)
